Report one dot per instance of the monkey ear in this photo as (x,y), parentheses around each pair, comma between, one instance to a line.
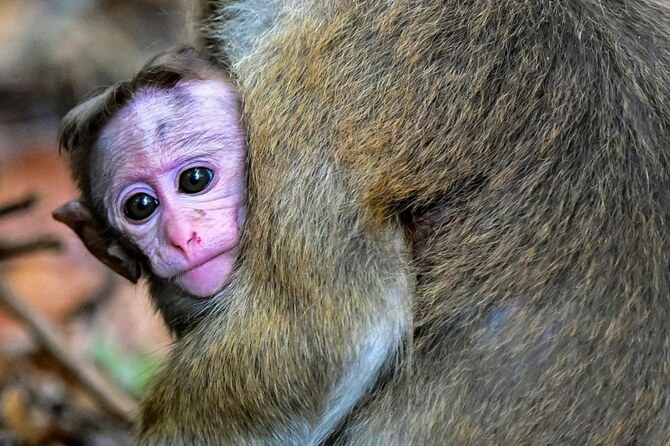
(108,249)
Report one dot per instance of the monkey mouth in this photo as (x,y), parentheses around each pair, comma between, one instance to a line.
(206,278)
(200,264)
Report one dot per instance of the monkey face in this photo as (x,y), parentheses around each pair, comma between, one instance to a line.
(174,164)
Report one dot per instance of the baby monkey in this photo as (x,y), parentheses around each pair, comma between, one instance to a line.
(160,163)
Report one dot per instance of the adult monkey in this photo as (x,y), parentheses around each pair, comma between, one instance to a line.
(520,149)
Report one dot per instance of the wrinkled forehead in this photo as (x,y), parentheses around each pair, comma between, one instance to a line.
(153,127)
(164,117)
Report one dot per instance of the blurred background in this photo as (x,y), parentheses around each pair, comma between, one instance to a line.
(77,343)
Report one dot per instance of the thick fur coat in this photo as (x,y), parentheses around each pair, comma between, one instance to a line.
(458,228)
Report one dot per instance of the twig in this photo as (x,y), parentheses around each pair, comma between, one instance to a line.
(46,242)
(97,299)
(19,205)
(112,399)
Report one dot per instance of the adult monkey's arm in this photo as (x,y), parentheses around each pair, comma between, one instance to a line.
(320,301)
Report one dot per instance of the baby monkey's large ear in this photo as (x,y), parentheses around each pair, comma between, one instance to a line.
(98,240)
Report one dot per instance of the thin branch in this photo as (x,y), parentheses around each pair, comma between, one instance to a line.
(97,299)
(110,398)
(43,243)
(17,206)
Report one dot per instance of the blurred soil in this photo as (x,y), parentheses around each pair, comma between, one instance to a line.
(52,54)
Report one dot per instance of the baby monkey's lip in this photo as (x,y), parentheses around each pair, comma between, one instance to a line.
(199,264)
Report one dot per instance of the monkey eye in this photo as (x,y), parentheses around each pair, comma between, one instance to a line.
(195,179)
(140,206)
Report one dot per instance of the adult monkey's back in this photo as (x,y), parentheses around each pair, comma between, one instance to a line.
(520,151)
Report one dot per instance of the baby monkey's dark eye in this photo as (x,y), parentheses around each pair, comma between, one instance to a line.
(140,206)
(195,179)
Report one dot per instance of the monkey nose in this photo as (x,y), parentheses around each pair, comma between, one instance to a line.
(182,237)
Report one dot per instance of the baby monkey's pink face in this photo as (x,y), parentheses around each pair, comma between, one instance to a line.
(175,159)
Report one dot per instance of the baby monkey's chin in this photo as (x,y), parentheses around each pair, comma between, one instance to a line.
(208,278)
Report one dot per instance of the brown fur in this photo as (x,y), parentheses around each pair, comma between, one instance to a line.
(521,148)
